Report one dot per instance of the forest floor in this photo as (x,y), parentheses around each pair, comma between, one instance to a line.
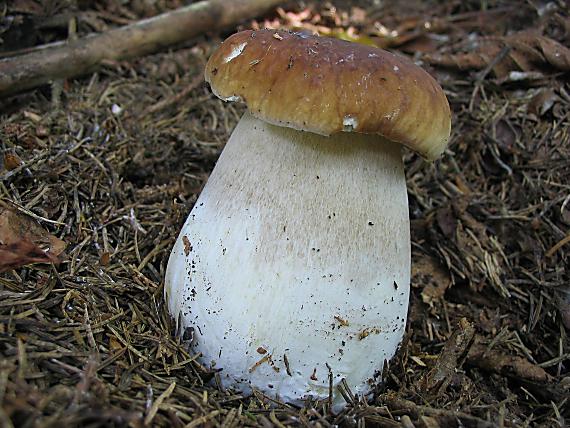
(98,172)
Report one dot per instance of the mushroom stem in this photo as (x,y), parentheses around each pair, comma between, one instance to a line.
(296,256)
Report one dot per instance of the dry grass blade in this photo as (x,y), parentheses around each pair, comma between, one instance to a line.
(156,405)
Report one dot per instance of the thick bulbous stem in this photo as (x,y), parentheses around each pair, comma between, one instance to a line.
(294,259)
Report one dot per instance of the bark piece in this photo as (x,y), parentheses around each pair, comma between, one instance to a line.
(76,57)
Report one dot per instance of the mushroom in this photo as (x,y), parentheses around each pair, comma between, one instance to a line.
(294,263)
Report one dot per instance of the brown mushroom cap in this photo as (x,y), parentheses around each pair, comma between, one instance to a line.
(325,86)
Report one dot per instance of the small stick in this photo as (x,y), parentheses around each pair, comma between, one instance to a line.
(76,57)
(161,105)
(557,246)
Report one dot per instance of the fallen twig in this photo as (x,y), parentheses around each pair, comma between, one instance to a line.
(77,57)
(161,105)
(495,361)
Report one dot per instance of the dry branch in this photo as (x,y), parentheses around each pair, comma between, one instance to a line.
(76,57)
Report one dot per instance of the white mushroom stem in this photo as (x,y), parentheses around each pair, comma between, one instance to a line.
(296,256)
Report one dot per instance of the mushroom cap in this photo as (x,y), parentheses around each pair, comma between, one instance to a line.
(325,86)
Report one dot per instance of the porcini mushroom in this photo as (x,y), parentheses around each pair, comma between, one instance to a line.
(295,260)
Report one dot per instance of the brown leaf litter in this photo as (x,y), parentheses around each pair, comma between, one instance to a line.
(514,57)
(112,163)
(23,241)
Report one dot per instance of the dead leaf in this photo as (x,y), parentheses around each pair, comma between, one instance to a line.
(11,161)
(542,102)
(105,258)
(428,274)
(555,54)
(23,241)
(423,43)
(447,221)
(23,253)
(450,359)
(505,134)
(524,54)
(114,344)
